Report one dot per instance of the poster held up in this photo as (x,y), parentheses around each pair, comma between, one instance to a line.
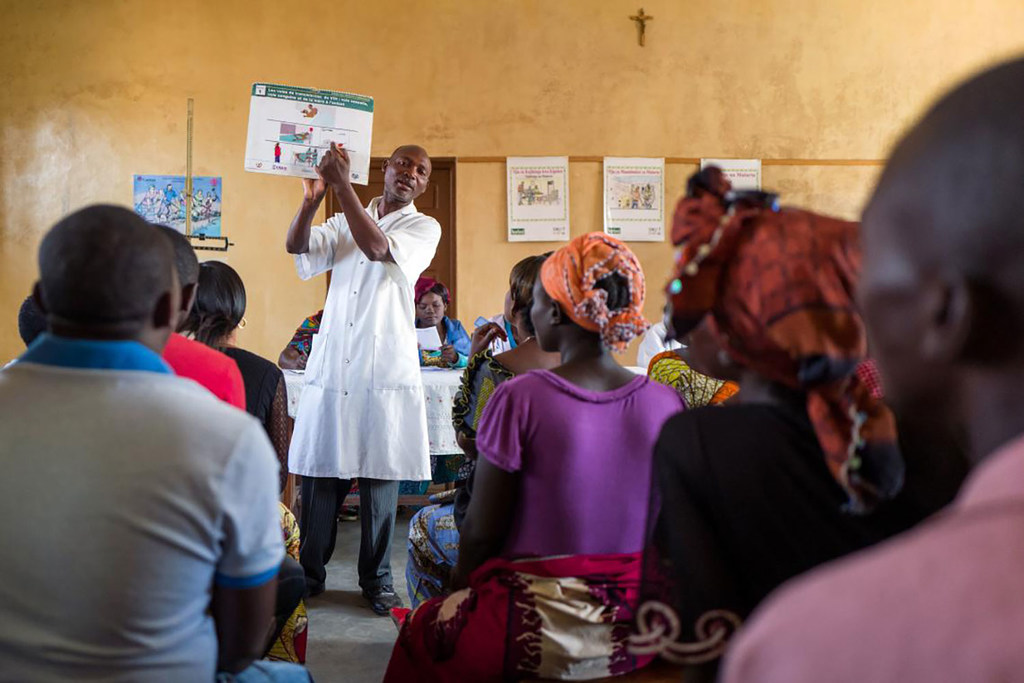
(744,174)
(634,198)
(538,199)
(290,130)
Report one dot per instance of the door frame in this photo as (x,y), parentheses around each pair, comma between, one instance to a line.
(332,206)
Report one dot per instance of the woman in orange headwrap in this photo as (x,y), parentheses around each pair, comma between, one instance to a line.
(550,550)
(797,468)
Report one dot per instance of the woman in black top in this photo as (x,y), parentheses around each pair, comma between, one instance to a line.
(214,320)
(802,466)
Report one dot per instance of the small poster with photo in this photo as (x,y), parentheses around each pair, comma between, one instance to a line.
(538,199)
(290,130)
(634,198)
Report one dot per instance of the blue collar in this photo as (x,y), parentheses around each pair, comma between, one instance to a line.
(511,337)
(92,354)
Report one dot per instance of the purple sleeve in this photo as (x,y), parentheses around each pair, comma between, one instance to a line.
(499,434)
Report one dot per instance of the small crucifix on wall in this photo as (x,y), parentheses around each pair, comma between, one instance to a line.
(641,20)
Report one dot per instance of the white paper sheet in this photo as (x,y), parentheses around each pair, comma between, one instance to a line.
(428,338)
(634,198)
(290,130)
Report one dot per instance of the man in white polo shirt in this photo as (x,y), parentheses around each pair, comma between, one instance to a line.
(138,512)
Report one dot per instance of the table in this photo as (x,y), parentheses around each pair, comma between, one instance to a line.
(447,461)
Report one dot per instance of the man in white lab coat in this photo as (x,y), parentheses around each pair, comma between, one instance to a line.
(362,413)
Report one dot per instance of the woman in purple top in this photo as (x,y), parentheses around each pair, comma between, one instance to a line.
(549,562)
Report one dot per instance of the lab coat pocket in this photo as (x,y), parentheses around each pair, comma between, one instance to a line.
(394,367)
(315,361)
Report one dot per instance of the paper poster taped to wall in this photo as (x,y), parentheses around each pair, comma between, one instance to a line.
(161,199)
(538,199)
(634,198)
(744,174)
(290,130)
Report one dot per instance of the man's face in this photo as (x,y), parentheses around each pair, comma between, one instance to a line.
(430,309)
(890,298)
(406,174)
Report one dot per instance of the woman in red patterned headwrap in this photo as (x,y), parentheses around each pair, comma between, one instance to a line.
(798,468)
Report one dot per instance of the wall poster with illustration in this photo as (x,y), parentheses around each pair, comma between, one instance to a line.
(634,198)
(538,199)
(161,199)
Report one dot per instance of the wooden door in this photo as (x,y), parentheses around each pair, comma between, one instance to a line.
(438,201)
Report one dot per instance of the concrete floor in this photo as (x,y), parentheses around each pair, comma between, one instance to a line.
(348,643)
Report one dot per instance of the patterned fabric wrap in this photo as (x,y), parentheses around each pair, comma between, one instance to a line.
(778,287)
(302,340)
(868,374)
(696,389)
(481,377)
(291,644)
(563,618)
(570,276)
(433,552)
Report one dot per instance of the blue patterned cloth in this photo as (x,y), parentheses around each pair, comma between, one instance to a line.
(433,551)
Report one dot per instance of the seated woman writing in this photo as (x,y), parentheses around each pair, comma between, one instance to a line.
(549,559)
(802,465)
(434,530)
(431,311)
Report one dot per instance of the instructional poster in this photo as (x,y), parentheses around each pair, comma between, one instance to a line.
(744,174)
(634,198)
(290,129)
(161,199)
(538,199)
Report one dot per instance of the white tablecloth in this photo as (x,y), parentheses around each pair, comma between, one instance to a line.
(439,389)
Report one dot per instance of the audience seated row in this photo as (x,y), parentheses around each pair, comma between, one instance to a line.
(159,499)
(610,519)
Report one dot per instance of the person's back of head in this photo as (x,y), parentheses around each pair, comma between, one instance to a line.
(186,265)
(219,305)
(106,273)
(31,321)
(942,287)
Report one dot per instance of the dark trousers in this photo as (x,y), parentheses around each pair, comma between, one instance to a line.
(318,524)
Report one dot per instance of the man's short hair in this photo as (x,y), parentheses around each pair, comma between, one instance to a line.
(31,321)
(104,265)
(184,256)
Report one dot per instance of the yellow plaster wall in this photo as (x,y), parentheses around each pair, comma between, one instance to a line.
(92,91)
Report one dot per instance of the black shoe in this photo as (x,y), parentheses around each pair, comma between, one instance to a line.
(382,600)
(314,587)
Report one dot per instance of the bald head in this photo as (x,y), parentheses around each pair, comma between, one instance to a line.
(942,284)
(104,267)
(952,184)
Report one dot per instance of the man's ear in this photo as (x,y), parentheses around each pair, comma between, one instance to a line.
(37,297)
(384,165)
(165,315)
(948,313)
(188,297)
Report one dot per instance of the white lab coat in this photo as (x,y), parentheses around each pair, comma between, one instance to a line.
(362,412)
